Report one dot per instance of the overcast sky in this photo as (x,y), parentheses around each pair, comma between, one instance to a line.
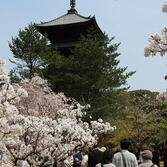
(131,22)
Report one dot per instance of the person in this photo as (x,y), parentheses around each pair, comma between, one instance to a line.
(124,158)
(107,159)
(147,157)
(164,157)
(155,153)
(95,157)
(85,152)
(138,150)
(77,159)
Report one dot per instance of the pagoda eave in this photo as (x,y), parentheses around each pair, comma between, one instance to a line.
(68,32)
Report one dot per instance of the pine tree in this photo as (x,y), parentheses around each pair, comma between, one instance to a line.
(28,48)
(91,74)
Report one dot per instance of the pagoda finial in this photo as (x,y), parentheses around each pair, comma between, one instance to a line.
(72,10)
(72,4)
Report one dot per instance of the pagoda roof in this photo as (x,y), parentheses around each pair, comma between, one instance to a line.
(69,18)
(59,30)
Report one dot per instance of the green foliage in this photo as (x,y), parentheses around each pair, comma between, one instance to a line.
(28,48)
(141,120)
(91,74)
(144,99)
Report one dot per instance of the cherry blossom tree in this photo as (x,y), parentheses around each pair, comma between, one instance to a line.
(52,124)
(46,139)
(41,101)
(157,42)
(44,128)
(10,130)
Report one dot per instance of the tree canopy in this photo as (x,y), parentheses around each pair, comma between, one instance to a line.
(142,118)
(28,49)
(90,74)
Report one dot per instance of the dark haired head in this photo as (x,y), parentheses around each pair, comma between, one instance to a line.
(107,156)
(153,145)
(125,143)
(85,150)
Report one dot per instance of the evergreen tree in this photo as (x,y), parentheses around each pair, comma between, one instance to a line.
(91,74)
(28,48)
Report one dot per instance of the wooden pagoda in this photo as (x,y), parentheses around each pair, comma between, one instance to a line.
(64,32)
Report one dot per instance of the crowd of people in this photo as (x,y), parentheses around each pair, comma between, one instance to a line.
(124,157)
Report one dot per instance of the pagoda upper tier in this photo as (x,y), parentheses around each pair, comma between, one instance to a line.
(65,31)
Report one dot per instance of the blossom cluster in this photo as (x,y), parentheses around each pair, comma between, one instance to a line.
(43,127)
(10,129)
(99,127)
(157,43)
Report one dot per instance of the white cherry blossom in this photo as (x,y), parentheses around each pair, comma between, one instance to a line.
(43,127)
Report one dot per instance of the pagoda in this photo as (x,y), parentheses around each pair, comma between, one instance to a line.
(64,32)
